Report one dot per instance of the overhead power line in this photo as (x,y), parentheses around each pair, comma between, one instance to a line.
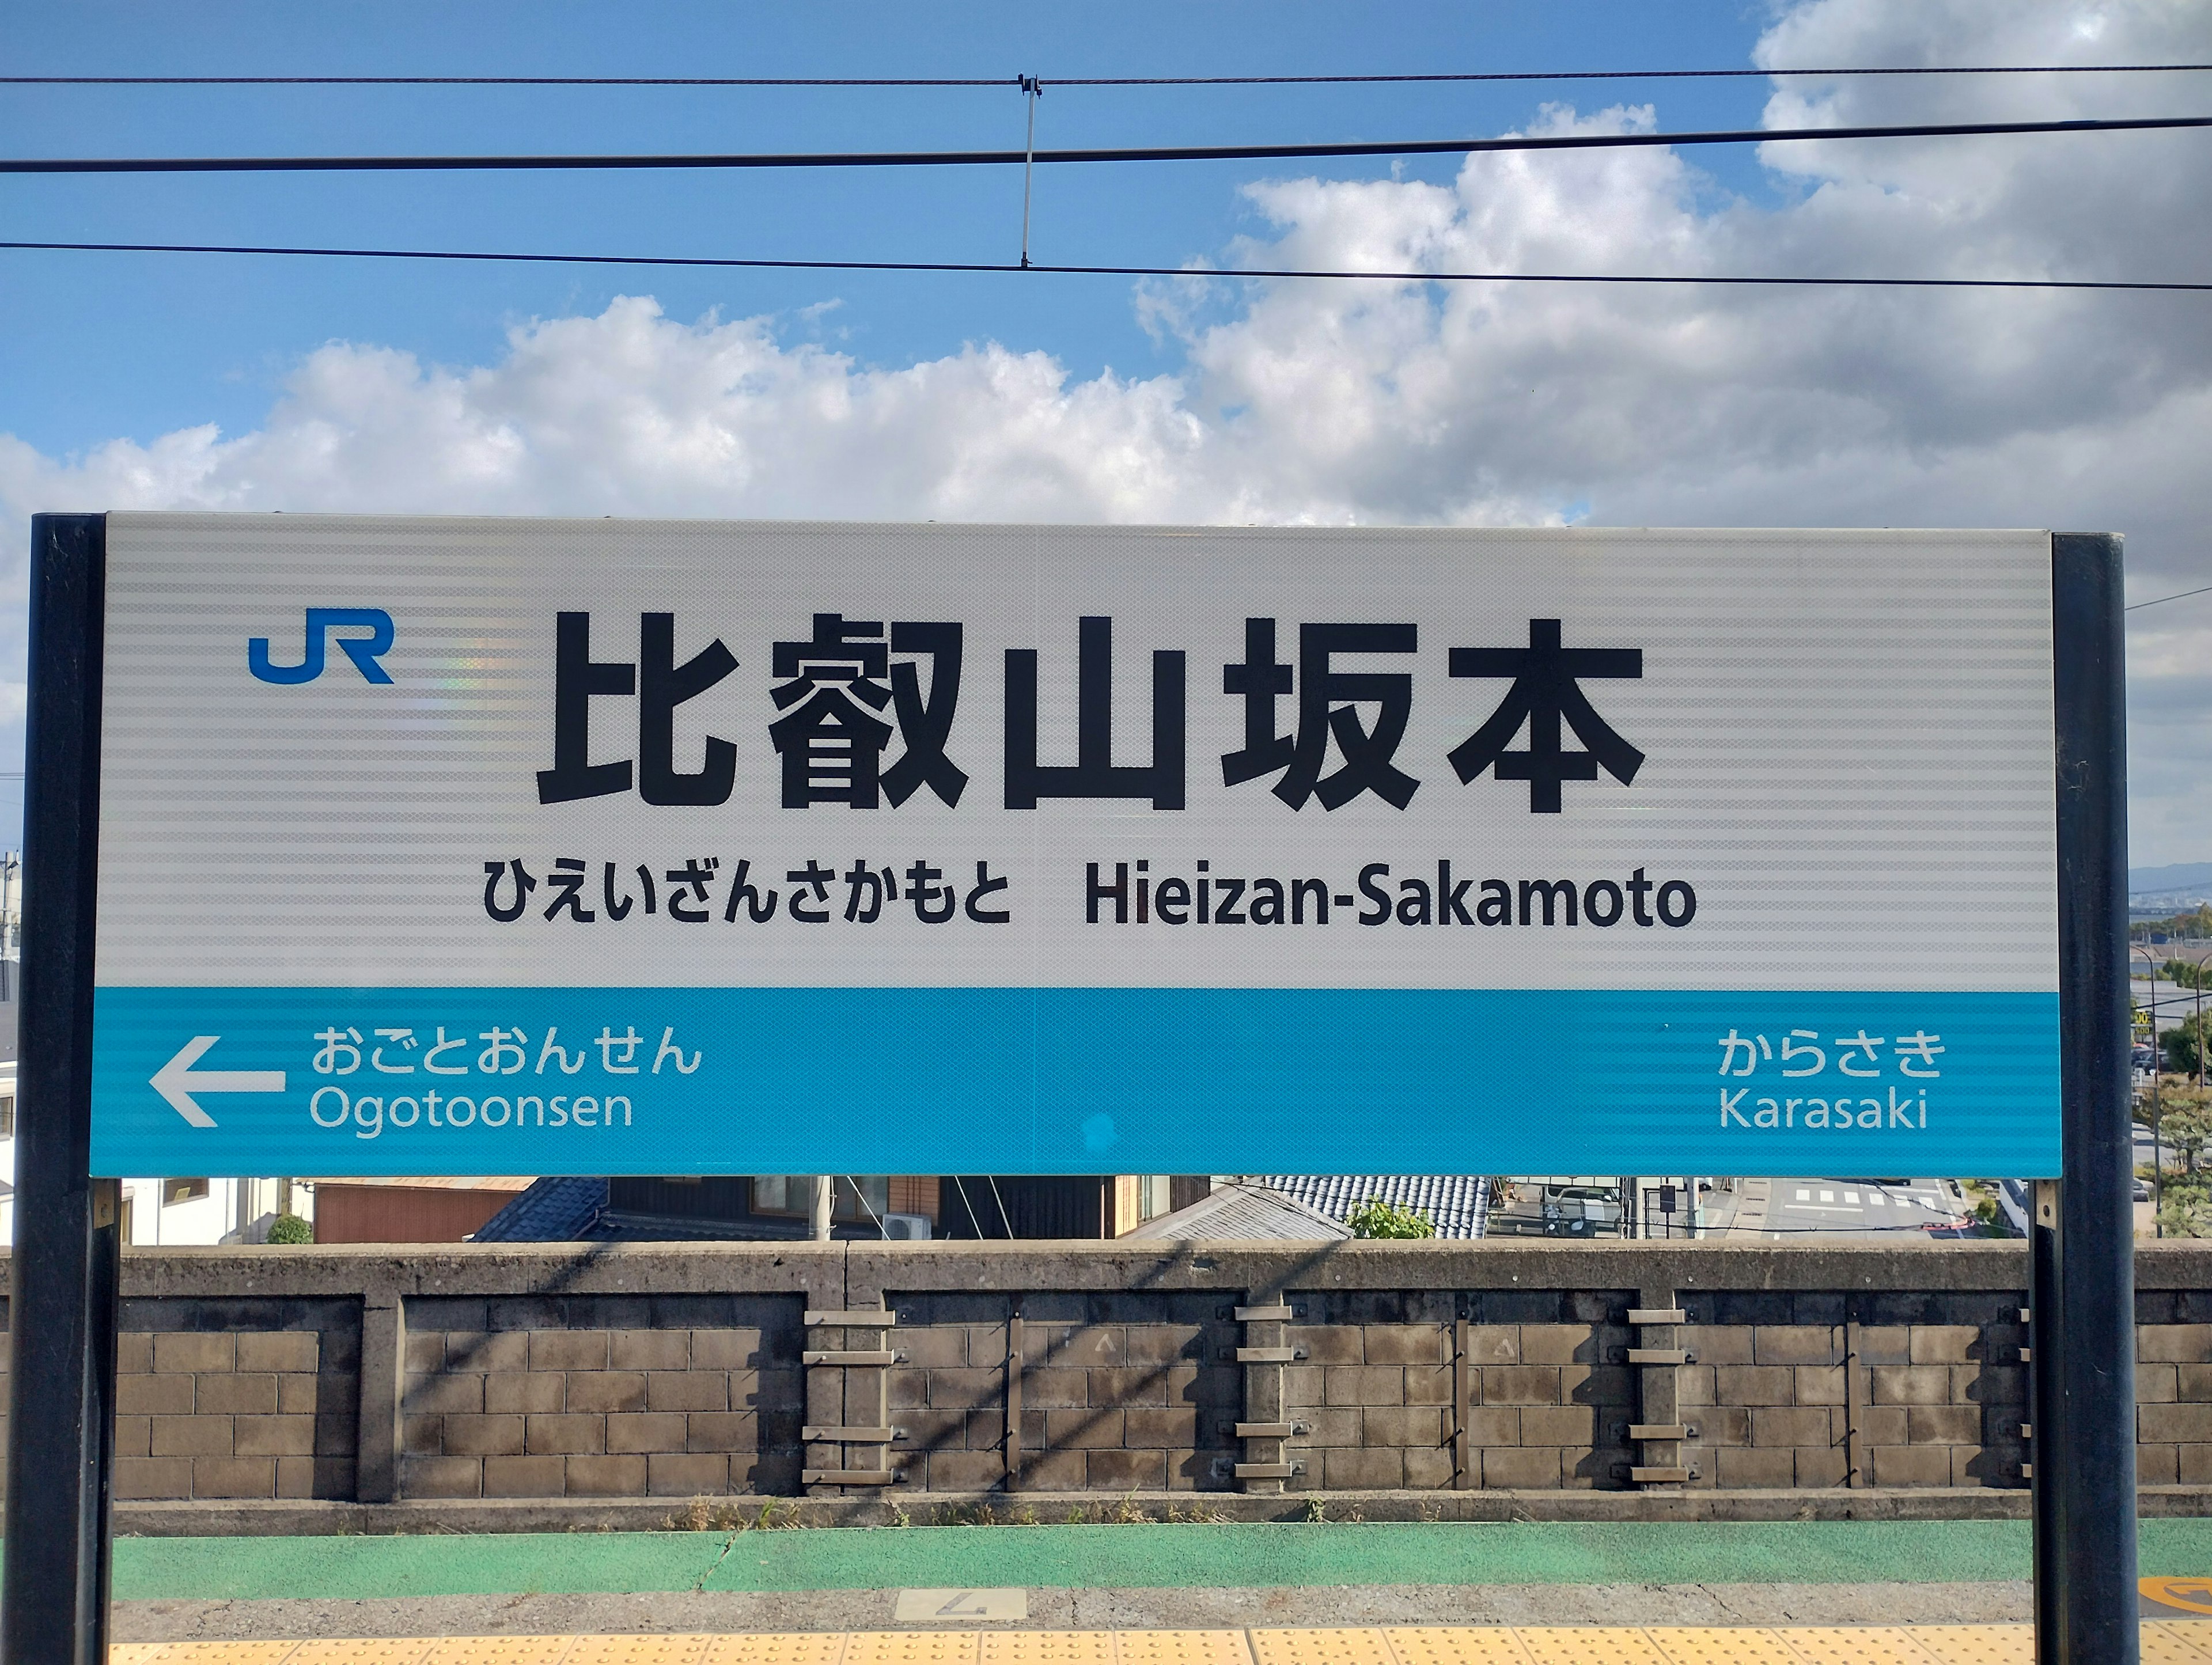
(1095,81)
(1120,153)
(2161,600)
(989,266)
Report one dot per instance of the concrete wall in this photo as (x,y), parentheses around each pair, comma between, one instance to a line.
(601,1395)
(1436,1371)
(237,1399)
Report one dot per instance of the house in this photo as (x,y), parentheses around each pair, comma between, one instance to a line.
(414,1210)
(1457,1205)
(1245,1211)
(897,1206)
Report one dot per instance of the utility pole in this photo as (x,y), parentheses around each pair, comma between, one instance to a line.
(2157,1144)
(820,1210)
(9,867)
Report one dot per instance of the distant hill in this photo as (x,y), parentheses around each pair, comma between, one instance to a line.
(2183,880)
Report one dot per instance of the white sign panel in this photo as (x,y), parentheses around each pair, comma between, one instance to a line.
(497,846)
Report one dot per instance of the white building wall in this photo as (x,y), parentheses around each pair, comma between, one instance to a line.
(233,1211)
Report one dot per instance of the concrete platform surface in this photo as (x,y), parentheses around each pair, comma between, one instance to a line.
(2163,1643)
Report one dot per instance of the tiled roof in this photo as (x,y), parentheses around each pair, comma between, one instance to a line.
(511,1182)
(573,1209)
(1242,1210)
(562,1210)
(1458,1204)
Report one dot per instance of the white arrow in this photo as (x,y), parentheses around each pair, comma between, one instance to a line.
(177,1080)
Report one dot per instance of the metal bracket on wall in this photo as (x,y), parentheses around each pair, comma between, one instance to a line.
(1265,1423)
(1015,1342)
(1462,1364)
(871,1431)
(1661,1430)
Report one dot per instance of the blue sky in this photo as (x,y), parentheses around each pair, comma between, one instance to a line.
(148,380)
(139,344)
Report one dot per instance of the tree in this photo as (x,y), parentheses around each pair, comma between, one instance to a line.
(2187,1047)
(2185,1123)
(1378,1218)
(2197,923)
(2187,1214)
(291,1229)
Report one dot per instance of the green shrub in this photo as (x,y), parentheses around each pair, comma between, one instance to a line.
(291,1229)
(1378,1218)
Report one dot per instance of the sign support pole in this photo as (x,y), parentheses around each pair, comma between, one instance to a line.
(2082,1354)
(62,1297)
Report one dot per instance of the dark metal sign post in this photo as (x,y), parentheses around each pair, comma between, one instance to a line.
(2082,1299)
(63,1293)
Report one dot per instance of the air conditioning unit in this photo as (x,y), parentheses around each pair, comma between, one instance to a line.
(906,1228)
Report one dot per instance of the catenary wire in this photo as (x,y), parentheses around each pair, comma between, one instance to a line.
(991,266)
(1095,81)
(2161,600)
(35,165)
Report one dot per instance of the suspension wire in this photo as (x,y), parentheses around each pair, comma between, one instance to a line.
(1628,75)
(1006,1219)
(1098,81)
(1073,270)
(1030,158)
(527,81)
(1032,90)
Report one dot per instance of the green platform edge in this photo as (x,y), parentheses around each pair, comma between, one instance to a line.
(1099,1557)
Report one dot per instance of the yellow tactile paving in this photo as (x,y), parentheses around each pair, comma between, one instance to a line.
(677,1649)
(1349,1646)
(1715,1644)
(498,1650)
(1181,1647)
(1856,1644)
(1456,1644)
(2177,1644)
(1048,1648)
(2164,1643)
(1978,1645)
(826,1650)
(1588,1645)
(911,1648)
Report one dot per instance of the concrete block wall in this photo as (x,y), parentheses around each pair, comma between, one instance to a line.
(236,1399)
(2174,1386)
(947,1395)
(1119,1391)
(1914,1388)
(1129,1392)
(1551,1392)
(669,1372)
(601,1396)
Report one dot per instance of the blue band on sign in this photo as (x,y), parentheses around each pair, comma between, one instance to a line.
(342,1081)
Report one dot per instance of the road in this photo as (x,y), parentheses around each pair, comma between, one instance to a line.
(1853,1210)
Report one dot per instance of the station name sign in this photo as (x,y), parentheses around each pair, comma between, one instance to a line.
(443,846)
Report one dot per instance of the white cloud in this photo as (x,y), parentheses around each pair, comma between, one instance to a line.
(1466,404)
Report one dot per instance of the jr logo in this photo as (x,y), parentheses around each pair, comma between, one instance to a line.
(363,651)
